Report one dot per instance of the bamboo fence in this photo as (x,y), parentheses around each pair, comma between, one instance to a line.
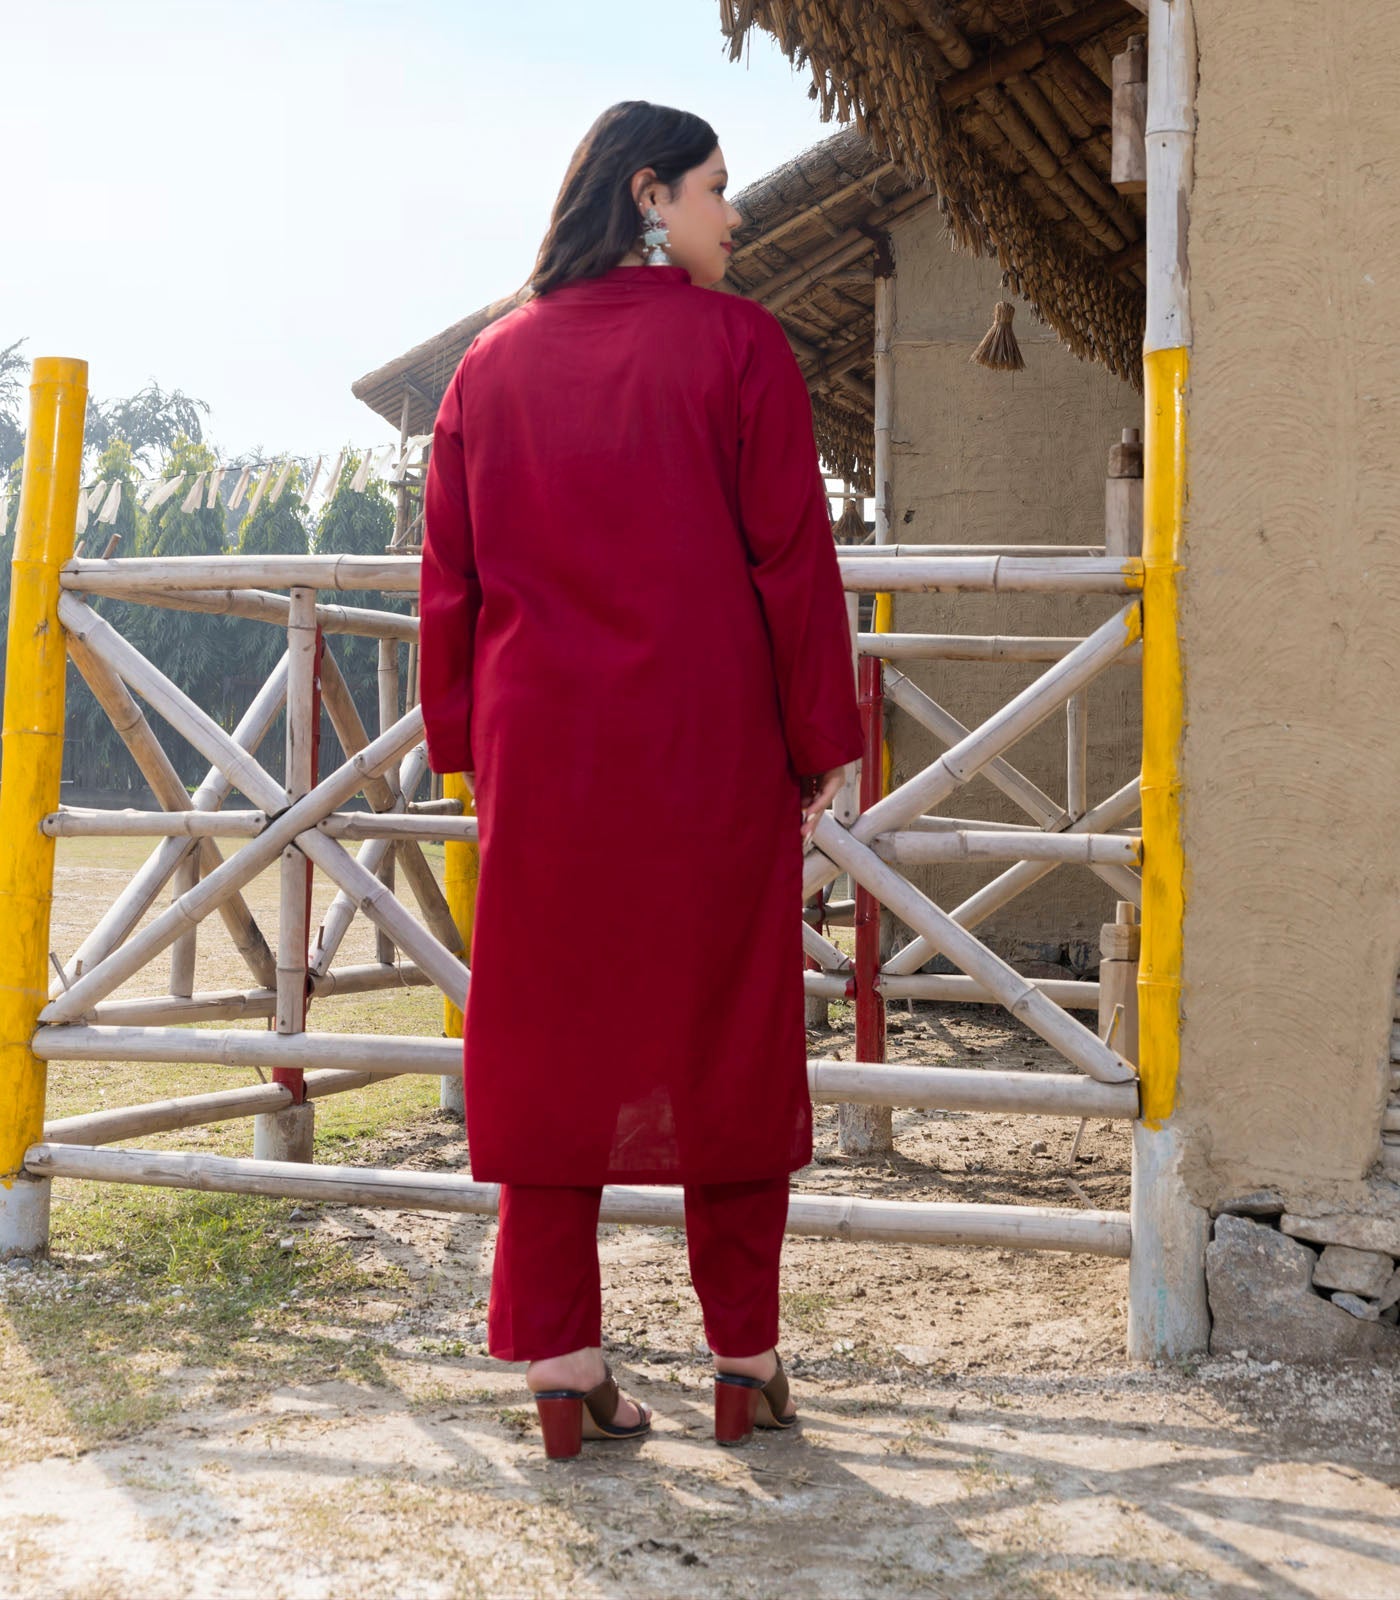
(303,825)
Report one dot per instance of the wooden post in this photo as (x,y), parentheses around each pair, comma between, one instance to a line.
(185,950)
(1128,171)
(867,1129)
(1120,944)
(388,682)
(36,662)
(288,1134)
(1122,507)
(1168,1313)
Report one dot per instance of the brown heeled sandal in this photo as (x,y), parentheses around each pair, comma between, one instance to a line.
(569,1416)
(743,1403)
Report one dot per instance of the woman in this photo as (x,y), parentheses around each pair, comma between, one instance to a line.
(634,636)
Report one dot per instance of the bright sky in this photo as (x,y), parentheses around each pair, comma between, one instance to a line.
(257,201)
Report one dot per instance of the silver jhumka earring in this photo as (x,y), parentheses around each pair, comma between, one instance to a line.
(655,238)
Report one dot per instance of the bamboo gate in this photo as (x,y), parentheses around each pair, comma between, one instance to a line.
(303,823)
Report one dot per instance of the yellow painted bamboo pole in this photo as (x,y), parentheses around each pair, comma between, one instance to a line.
(1163,724)
(461,869)
(33,739)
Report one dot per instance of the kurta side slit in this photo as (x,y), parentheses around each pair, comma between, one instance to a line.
(633,632)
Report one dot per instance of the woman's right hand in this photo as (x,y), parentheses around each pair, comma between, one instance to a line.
(812,810)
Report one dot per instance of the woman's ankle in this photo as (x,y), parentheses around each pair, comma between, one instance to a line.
(763,1365)
(573,1369)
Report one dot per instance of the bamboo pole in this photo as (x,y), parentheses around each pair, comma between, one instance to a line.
(387,681)
(1077,756)
(259,605)
(136,899)
(996,1227)
(97,983)
(827,957)
(946,728)
(78,822)
(295,871)
(1020,997)
(381,1054)
(226,1005)
(969,756)
(973,647)
(890,552)
(389,574)
(1016,880)
(33,760)
(196,1110)
(1168,1312)
(185,950)
(913,848)
(992,574)
(956,988)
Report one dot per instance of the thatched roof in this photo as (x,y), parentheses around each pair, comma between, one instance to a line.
(810,232)
(1004,106)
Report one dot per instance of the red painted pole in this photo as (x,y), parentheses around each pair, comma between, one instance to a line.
(870,1003)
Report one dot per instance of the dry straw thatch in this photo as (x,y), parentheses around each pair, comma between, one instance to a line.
(1004,108)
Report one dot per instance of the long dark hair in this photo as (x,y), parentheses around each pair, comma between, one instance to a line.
(595,220)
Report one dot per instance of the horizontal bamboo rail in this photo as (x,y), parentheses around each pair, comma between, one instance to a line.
(920,848)
(993,574)
(389,574)
(1104,1233)
(228,1005)
(1043,573)
(975,647)
(1027,552)
(195,1110)
(259,606)
(830,984)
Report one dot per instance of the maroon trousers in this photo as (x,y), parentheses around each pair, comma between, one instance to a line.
(546,1294)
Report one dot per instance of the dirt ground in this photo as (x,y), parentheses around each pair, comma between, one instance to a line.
(256,1398)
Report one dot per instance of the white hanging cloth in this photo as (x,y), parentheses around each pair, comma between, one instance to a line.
(5,509)
(311,485)
(361,478)
(167,490)
(196,494)
(112,504)
(333,481)
(82,516)
(97,494)
(281,483)
(239,489)
(216,478)
(261,489)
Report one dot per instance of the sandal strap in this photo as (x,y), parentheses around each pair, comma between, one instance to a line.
(775,1391)
(603,1399)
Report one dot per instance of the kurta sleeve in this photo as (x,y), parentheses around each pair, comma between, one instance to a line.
(450,601)
(787,529)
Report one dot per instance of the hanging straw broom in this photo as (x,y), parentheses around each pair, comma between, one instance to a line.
(999,350)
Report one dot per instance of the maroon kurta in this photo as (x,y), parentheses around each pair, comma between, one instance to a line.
(634,633)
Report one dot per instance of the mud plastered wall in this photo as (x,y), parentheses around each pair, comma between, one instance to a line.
(982,457)
(1292,770)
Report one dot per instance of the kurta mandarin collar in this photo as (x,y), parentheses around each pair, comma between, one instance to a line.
(628,278)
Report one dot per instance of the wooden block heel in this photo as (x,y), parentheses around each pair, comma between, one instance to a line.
(743,1403)
(569,1416)
(561,1422)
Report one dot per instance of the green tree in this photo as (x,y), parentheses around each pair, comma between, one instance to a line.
(13,366)
(152,422)
(173,531)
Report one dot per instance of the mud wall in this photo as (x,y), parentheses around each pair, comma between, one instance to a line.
(1292,582)
(996,458)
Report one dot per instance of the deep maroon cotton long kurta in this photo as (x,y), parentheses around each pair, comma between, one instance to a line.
(633,632)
